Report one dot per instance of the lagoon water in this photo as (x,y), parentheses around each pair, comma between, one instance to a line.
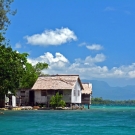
(98,120)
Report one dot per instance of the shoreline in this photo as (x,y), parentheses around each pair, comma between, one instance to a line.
(38,108)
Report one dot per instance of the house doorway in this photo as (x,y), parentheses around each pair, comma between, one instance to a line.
(31,97)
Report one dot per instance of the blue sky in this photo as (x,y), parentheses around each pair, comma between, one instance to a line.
(92,38)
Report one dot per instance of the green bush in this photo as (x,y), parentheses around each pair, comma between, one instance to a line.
(56,101)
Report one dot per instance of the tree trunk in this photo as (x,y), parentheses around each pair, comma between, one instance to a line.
(2,100)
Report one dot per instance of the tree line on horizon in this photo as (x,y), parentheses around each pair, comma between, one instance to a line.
(101,101)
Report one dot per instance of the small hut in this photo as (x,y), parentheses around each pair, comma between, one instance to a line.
(86,94)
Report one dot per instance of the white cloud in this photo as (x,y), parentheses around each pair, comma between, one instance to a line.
(94,47)
(52,37)
(87,68)
(97,58)
(132,74)
(59,62)
(18,45)
(118,72)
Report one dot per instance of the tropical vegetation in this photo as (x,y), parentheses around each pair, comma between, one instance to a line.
(15,71)
(56,101)
(100,101)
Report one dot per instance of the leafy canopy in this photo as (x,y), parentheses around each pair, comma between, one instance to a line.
(15,71)
(11,69)
(5,10)
(31,74)
(11,63)
(39,67)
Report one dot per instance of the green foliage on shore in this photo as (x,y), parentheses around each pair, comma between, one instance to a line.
(31,74)
(39,67)
(11,62)
(56,101)
(29,78)
(100,101)
(11,69)
(15,71)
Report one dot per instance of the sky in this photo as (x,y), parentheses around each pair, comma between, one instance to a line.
(92,38)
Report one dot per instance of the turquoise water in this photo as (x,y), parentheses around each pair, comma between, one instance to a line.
(99,120)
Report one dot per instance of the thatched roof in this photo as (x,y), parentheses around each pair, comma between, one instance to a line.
(56,82)
(87,88)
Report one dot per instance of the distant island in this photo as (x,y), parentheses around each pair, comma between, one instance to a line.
(104,90)
(100,101)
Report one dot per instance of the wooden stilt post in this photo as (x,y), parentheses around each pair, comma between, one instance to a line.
(88,106)
(72,106)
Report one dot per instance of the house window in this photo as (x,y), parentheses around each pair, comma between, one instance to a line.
(67,92)
(43,93)
(22,91)
(60,92)
(50,92)
(78,92)
(56,91)
(74,92)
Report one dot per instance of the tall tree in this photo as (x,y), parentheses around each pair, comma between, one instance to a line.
(11,62)
(13,66)
(31,74)
(5,10)
(39,67)
(12,69)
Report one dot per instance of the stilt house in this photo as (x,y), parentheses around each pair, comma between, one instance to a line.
(86,93)
(69,86)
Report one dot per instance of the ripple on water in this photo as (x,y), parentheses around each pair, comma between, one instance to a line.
(97,120)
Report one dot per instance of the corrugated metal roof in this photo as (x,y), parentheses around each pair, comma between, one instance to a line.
(87,88)
(56,82)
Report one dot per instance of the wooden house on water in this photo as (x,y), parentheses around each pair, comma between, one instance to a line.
(69,86)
